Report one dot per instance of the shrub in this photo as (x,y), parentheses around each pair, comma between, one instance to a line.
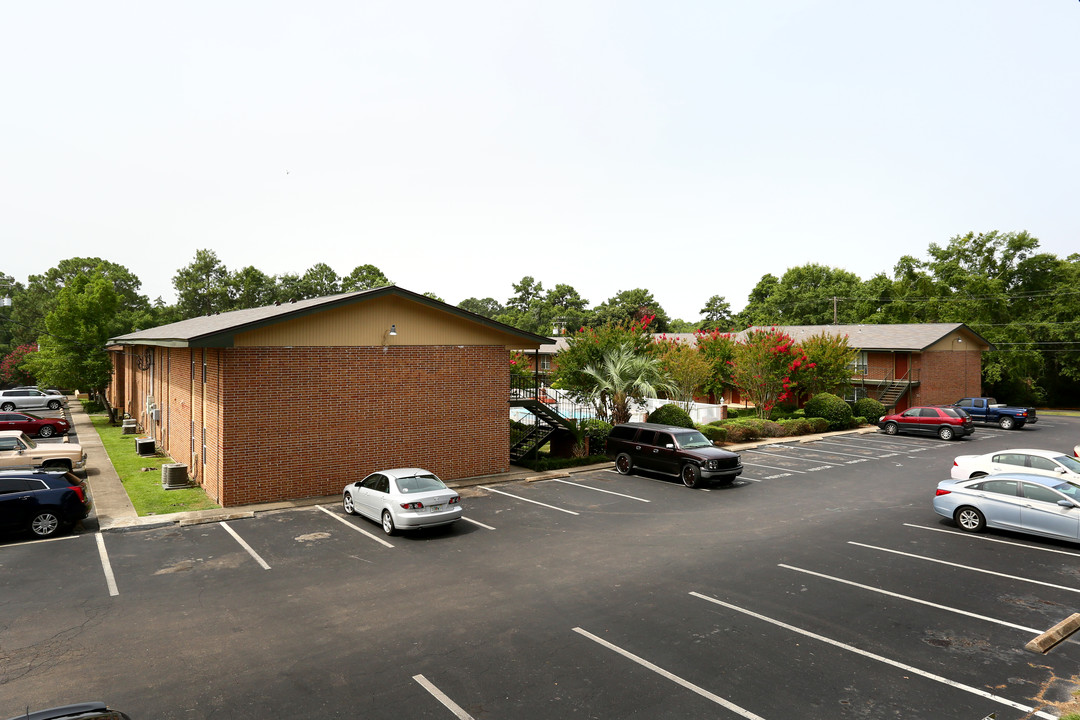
(732,413)
(869,408)
(597,432)
(745,429)
(714,432)
(796,426)
(832,408)
(858,421)
(671,414)
(820,425)
(738,432)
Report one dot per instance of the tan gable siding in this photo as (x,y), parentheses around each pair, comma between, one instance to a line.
(367,324)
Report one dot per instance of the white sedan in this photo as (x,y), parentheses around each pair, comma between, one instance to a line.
(1037,462)
(403,499)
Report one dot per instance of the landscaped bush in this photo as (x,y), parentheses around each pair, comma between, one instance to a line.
(714,432)
(858,421)
(597,432)
(820,425)
(732,412)
(543,461)
(832,408)
(738,433)
(745,429)
(672,415)
(796,426)
(869,408)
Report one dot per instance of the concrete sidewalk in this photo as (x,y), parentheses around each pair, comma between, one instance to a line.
(113,511)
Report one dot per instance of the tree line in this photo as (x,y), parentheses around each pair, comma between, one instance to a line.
(1025,302)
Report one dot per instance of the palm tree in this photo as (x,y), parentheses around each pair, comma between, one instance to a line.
(625,375)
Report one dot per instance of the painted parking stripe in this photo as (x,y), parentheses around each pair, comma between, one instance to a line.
(106,566)
(348,524)
(969,536)
(742,712)
(38,542)
(609,492)
(801,472)
(913,599)
(534,502)
(476,522)
(243,544)
(442,697)
(668,483)
(967,567)
(900,443)
(862,458)
(787,457)
(908,668)
(849,447)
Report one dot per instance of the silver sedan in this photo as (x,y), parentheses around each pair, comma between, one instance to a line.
(403,499)
(1013,501)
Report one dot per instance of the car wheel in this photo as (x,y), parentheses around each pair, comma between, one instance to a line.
(624,464)
(46,431)
(969,519)
(54,404)
(945,433)
(7,407)
(1006,423)
(891,429)
(387,522)
(347,504)
(690,476)
(45,524)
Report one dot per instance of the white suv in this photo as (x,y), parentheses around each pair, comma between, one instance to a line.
(29,399)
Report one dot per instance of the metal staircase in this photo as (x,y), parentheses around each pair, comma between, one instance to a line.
(893,390)
(546,422)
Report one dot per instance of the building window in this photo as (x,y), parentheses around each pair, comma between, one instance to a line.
(545,363)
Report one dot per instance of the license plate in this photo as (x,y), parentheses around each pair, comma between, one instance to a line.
(435,508)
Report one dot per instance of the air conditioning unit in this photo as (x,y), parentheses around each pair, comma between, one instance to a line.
(129,427)
(145,446)
(174,475)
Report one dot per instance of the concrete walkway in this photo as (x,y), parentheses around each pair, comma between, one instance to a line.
(114,512)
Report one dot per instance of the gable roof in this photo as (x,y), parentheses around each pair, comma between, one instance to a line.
(218,330)
(905,337)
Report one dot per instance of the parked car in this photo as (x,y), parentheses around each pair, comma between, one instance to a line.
(1013,501)
(989,410)
(19,452)
(80,711)
(1037,462)
(403,499)
(947,423)
(42,502)
(678,451)
(32,424)
(29,399)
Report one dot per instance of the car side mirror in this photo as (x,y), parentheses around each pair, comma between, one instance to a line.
(669,446)
(1061,470)
(1067,503)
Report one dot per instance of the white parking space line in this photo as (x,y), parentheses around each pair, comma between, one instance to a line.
(110,579)
(244,545)
(966,567)
(848,445)
(609,492)
(534,502)
(668,483)
(38,542)
(858,651)
(807,448)
(906,443)
(823,465)
(476,522)
(801,472)
(348,524)
(913,599)
(742,712)
(969,536)
(441,697)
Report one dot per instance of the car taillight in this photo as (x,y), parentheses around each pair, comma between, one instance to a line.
(954,464)
(412,506)
(941,492)
(80,492)
(1023,414)
(455,500)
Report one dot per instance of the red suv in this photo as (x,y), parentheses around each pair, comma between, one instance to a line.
(947,423)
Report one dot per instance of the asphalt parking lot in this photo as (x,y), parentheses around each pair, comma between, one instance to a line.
(821,584)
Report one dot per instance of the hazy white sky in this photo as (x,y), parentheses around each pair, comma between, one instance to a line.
(685,147)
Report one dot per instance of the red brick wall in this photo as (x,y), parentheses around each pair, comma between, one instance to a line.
(946,376)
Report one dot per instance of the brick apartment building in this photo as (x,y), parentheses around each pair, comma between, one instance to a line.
(295,400)
(902,365)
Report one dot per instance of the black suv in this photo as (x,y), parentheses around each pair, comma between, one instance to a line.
(42,502)
(672,450)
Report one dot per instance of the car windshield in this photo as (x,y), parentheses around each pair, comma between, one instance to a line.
(419,483)
(1070,489)
(1069,462)
(692,440)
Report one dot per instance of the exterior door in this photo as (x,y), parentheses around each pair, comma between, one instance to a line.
(901,365)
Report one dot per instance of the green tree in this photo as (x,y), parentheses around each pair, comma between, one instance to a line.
(588,347)
(631,306)
(718,349)
(320,280)
(827,368)
(71,353)
(685,366)
(364,277)
(202,286)
(250,287)
(716,315)
(625,375)
(487,307)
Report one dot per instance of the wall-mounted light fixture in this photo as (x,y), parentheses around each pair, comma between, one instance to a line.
(393,330)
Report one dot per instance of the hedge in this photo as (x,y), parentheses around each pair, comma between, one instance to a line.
(672,415)
(834,409)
